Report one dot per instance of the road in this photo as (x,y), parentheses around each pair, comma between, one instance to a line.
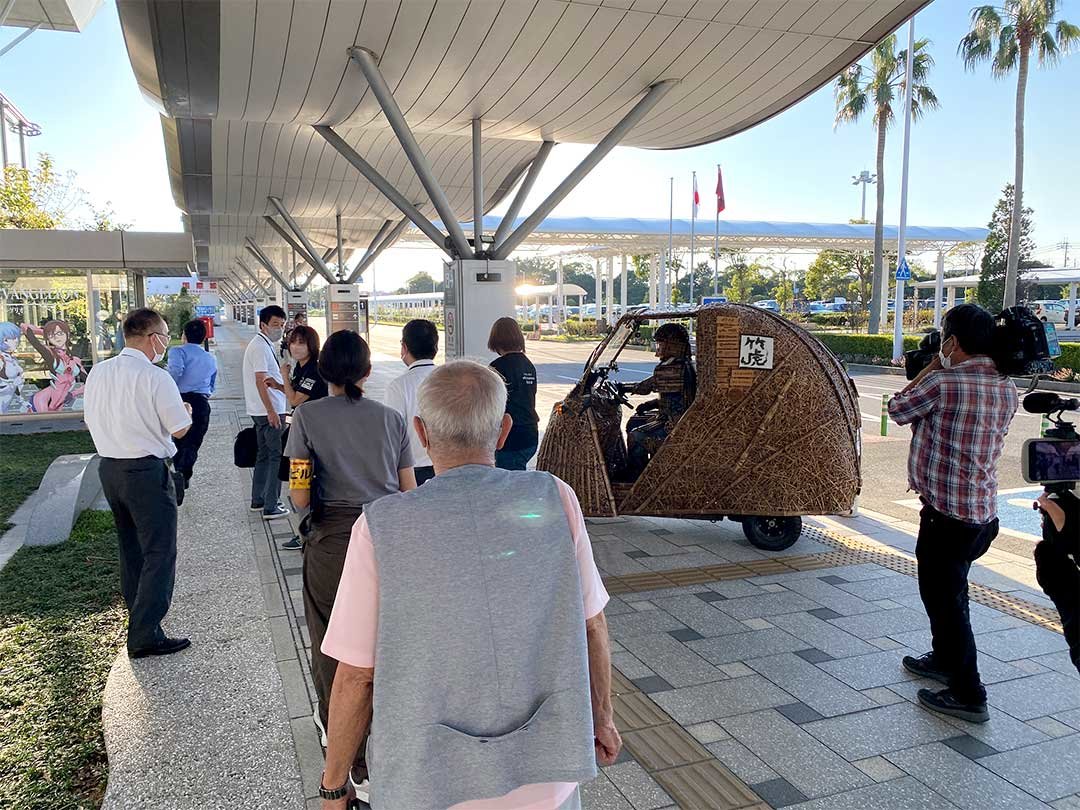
(884,459)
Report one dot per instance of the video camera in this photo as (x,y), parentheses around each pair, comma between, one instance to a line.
(1022,346)
(1054,459)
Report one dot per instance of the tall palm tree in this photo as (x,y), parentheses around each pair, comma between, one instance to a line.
(876,87)
(1005,37)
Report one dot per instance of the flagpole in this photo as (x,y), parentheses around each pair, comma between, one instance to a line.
(898,311)
(716,244)
(670,242)
(693,219)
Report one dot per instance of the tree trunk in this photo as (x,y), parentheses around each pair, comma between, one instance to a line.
(879,285)
(1013,262)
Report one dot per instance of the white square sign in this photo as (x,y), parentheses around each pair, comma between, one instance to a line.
(755,352)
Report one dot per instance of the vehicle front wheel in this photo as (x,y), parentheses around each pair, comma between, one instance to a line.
(772,533)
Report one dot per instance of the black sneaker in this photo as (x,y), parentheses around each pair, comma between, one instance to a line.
(166,646)
(924,667)
(255,507)
(945,702)
(279,511)
(293,545)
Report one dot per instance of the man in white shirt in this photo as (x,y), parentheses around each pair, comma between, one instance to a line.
(419,345)
(267,408)
(134,411)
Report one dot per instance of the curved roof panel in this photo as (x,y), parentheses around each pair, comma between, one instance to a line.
(245,82)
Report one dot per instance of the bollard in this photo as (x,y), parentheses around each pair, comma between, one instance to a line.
(884,414)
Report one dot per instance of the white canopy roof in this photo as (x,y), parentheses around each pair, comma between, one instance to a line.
(547,290)
(242,83)
(1067,275)
(53,15)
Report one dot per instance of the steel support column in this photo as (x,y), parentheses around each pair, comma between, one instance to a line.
(378,247)
(254,278)
(340,252)
(384,186)
(20,38)
(317,263)
(477,188)
(261,257)
(503,249)
(526,187)
(365,59)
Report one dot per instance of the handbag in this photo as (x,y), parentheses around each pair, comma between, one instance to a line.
(245,448)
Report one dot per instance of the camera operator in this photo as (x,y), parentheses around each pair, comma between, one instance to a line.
(959,408)
(1057,562)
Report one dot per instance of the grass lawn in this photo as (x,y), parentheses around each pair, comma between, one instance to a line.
(24,459)
(62,621)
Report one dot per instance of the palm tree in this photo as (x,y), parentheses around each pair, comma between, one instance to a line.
(1005,37)
(876,87)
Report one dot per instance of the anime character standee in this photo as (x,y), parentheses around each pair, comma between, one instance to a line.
(11,371)
(64,367)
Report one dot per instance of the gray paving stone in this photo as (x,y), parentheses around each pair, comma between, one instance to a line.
(970,747)
(867,671)
(653,545)
(712,701)
(699,616)
(960,780)
(693,557)
(758,624)
(616,606)
(799,713)
(642,623)
(830,596)
(768,604)
(744,646)
(734,588)
(823,635)
(852,573)
(814,655)
(794,754)
(888,588)
(1071,718)
(671,660)
(883,623)
(1035,695)
(905,793)
(778,793)
(1068,803)
(708,732)
(637,786)
(601,794)
(878,768)
(652,684)
(1021,642)
(1049,770)
(818,690)
(630,666)
(1059,662)
(741,762)
(876,731)
(736,670)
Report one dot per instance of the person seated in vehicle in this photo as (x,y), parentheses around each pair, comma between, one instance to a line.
(675,380)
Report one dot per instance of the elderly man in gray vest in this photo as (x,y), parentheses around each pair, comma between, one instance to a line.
(476,601)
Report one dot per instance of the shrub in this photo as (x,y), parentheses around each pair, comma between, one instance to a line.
(829,318)
(1069,362)
(871,349)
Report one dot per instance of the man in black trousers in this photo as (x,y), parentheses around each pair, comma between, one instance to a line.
(195,371)
(134,411)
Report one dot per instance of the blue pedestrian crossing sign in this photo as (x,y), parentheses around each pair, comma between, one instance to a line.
(903,272)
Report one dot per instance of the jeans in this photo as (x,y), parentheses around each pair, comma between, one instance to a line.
(1059,577)
(265,486)
(945,550)
(514,459)
(142,498)
(187,447)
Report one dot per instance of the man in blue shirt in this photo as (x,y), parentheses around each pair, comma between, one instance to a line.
(195,372)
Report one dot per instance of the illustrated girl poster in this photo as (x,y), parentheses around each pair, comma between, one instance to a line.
(64,368)
(11,371)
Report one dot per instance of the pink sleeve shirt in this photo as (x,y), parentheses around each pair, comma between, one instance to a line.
(354,623)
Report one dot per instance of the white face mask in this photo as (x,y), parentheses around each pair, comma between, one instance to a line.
(946,360)
(274,334)
(158,355)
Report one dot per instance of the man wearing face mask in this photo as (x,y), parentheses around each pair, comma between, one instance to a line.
(419,345)
(959,408)
(134,411)
(267,407)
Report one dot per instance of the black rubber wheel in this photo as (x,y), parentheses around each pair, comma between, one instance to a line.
(772,533)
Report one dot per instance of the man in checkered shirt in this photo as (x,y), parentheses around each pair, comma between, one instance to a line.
(959,409)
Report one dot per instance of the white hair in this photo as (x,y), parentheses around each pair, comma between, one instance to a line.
(462,404)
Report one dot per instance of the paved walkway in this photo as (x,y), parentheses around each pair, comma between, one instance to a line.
(744,679)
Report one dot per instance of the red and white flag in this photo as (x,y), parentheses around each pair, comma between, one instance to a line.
(720,204)
(697,199)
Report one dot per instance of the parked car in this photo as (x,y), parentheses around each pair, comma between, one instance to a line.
(1049,311)
(816,308)
(769,304)
(842,306)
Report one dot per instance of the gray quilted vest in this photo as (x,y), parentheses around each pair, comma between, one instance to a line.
(481,674)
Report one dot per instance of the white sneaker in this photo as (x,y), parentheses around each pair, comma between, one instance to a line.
(362,789)
(322,731)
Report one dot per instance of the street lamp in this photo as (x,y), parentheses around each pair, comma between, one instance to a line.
(864,179)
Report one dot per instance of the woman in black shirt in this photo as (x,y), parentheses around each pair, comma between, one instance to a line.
(304,382)
(519,373)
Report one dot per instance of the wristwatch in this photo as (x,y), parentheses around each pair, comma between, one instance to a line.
(336,793)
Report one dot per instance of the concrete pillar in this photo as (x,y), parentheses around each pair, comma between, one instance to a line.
(560,297)
(624,282)
(599,290)
(950,298)
(654,266)
(939,285)
(1070,318)
(611,290)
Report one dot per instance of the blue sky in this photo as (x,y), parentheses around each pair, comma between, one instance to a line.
(81,90)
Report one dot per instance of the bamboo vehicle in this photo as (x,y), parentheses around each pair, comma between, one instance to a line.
(773,433)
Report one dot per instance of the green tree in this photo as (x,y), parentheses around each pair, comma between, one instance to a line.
(104,219)
(1005,37)
(38,198)
(830,275)
(422,282)
(995,259)
(743,280)
(876,87)
(784,293)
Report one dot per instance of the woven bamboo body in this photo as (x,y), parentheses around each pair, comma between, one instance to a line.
(773,442)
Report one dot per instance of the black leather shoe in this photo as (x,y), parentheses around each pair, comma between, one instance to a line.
(924,667)
(167,646)
(945,702)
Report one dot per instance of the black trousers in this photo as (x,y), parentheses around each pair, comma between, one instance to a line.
(945,550)
(187,448)
(143,501)
(1059,577)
